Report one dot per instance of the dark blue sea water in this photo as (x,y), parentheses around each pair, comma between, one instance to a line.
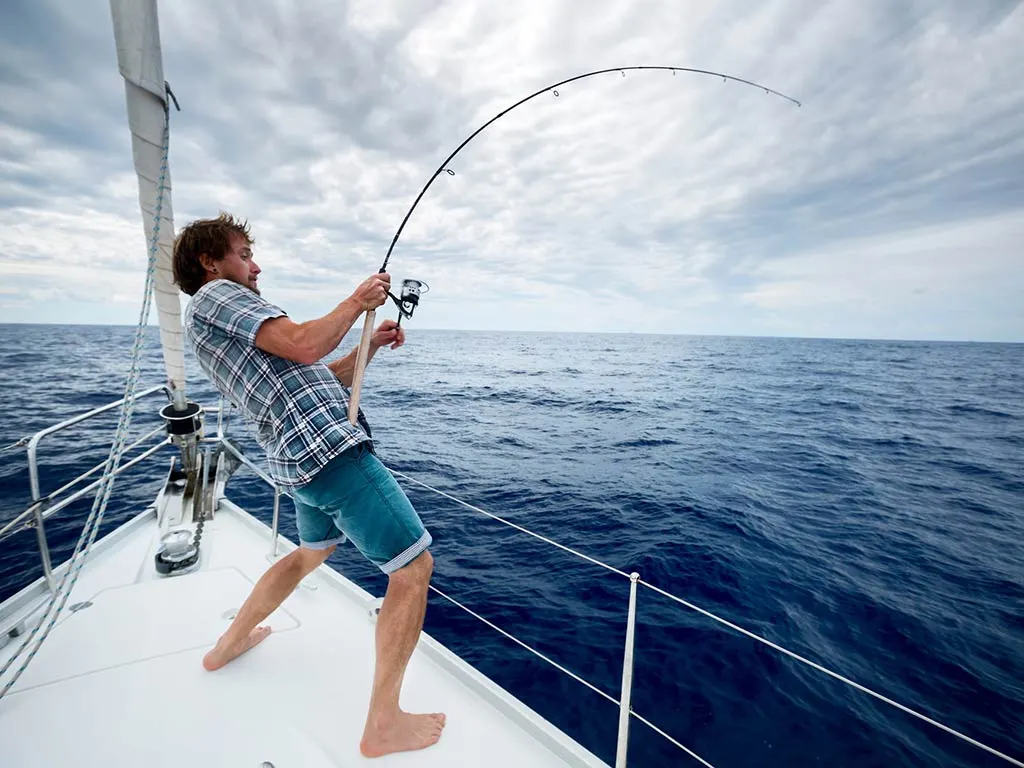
(861,503)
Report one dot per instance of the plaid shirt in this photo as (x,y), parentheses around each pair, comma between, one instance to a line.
(300,411)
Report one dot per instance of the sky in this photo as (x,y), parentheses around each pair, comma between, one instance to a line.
(889,205)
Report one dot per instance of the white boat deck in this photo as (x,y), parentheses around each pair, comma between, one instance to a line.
(119,683)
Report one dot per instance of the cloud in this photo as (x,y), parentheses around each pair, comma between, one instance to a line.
(675,203)
(937,274)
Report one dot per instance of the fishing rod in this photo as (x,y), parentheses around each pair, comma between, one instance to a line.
(411,289)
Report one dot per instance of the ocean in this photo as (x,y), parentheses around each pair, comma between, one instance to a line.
(858,502)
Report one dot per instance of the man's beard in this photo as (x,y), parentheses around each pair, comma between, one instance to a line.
(249,284)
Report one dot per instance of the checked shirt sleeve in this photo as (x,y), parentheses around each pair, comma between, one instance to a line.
(235,311)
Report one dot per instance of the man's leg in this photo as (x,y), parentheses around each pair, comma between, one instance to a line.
(270,591)
(388,728)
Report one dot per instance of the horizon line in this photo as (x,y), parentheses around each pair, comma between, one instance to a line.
(593,333)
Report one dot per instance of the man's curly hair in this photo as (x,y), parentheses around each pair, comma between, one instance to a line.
(204,236)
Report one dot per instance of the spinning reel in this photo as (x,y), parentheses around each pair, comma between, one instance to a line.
(410,297)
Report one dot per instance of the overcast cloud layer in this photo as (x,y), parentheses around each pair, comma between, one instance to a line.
(890,205)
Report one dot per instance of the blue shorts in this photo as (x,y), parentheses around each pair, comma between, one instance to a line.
(355,496)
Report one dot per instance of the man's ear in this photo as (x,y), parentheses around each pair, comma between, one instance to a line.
(208,263)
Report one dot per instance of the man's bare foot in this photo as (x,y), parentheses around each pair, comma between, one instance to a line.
(402,734)
(221,654)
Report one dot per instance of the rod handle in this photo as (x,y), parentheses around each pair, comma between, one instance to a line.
(357,375)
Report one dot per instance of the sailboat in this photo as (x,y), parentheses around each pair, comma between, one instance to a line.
(115,663)
(100,658)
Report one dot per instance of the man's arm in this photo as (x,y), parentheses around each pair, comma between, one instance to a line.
(387,333)
(313,340)
(345,367)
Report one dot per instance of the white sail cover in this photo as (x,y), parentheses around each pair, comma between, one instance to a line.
(137,35)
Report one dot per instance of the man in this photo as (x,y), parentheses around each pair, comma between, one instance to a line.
(270,367)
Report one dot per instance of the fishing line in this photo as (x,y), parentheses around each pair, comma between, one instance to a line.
(410,293)
(553,88)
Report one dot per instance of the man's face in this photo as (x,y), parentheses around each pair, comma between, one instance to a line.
(238,266)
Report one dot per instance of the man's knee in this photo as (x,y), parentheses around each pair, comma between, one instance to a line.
(417,572)
(310,559)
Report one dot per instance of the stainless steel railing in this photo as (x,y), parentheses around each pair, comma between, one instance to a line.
(43,507)
(278,491)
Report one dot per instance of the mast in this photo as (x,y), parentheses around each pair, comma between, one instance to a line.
(137,36)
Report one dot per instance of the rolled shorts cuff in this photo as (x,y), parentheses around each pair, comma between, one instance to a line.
(410,554)
(322,544)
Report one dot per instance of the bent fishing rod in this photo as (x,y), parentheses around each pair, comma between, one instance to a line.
(412,289)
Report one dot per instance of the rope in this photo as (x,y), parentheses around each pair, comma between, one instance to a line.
(835,675)
(16,444)
(513,525)
(99,507)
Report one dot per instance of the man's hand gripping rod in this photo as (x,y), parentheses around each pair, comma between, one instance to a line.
(357,375)
(406,303)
